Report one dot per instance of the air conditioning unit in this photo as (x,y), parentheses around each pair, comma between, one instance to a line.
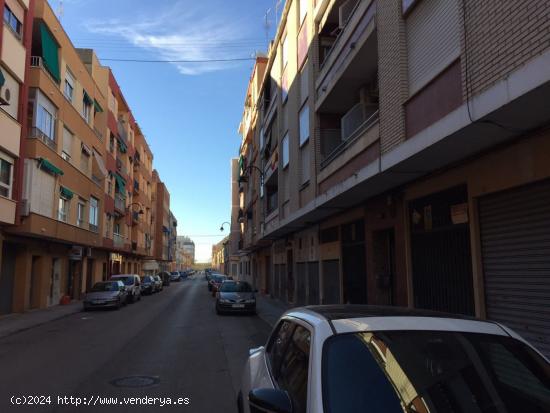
(345,11)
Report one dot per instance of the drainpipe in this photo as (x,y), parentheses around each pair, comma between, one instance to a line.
(23,104)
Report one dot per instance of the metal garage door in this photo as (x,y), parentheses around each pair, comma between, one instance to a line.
(515,240)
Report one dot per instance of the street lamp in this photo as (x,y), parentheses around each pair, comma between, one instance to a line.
(221,227)
(140,212)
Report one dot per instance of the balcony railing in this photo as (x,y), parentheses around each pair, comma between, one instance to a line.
(93,228)
(335,141)
(36,61)
(121,126)
(35,133)
(118,241)
(121,167)
(120,203)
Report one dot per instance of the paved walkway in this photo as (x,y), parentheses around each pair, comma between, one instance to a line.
(14,323)
(270,309)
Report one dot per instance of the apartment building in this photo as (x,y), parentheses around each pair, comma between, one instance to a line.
(76,196)
(395,152)
(163,229)
(55,249)
(15,48)
(220,255)
(185,253)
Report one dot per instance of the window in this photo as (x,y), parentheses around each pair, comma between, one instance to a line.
(84,162)
(80,208)
(69,86)
(262,138)
(67,144)
(5,176)
(63,211)
(278,344)
(94,210)
(284,51)
(13,22)
(285,152)
(305,163)
(304,124)
(86,108)
(293,374)
(116,229)
(45,122)
(303,11)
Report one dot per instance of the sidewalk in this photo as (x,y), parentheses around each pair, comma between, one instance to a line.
(14,323)
(270,309)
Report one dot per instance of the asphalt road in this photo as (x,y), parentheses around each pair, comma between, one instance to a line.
(168,345)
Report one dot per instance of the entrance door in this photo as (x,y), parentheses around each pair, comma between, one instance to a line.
(440,252)
(313,282)
(55,287)
(301,281)
(383,246)
(290,276)
(89,274)
(7,277)
(34,289)
(354,265)
(268,275)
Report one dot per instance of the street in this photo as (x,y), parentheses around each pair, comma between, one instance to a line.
(173,340)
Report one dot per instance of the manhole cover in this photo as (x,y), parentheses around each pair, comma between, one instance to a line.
(135,381)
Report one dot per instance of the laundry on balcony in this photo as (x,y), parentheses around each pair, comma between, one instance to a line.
(66,192)
(49,167)
(120,185)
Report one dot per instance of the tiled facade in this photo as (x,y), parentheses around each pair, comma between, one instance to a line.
(77,205)
(388,191)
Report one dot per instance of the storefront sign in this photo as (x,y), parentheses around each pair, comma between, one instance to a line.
(75,253)
(459,213)
(116,257)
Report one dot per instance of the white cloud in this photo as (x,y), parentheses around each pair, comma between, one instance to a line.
(182,34)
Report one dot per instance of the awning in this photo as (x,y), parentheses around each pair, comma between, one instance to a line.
(88,99)
(50,52)
(122,146)
(66,193)
(49,167)
(100,163)
(2,79)
(97,106)
(120,183)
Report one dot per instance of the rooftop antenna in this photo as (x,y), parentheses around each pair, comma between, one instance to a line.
(267,26)
(60,10)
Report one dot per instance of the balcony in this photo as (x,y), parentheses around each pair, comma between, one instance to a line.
(136,187)
(348,51)
(36,61)
(120,167)
(121,128)
(120,204)
(98,133)
(35,133)
(118,241)
(93,228)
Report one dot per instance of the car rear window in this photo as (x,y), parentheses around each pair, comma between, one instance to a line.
(236,287)
(423,371)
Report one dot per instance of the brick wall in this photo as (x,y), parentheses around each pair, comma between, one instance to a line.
(501,36)
(392,73)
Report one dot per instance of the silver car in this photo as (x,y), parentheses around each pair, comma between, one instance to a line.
(106,294)
(235,297)
(395,360)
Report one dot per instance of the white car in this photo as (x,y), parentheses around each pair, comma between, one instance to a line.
(132,283)
(337,359)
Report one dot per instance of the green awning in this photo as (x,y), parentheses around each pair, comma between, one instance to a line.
(66,193)
(122,146)
(97,106)
(241,163)
(2,79)
(88,99)
(50,52)
(120,183)
(49,167)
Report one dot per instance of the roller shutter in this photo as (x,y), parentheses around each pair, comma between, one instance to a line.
(515,239)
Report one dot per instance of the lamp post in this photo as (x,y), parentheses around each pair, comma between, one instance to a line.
(221,227)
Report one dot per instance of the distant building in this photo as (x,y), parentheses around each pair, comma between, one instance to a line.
(185,253)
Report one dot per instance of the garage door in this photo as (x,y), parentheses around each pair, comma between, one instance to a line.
(515,239)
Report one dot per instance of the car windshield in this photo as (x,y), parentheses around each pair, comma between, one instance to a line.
(126,280)
(236,287)
(424,371)
(175,273)
(146,280)
(218,278)
(109,286)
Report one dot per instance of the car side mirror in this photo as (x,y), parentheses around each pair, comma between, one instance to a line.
(270,400)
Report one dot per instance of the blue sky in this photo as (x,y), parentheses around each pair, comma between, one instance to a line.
(189,113)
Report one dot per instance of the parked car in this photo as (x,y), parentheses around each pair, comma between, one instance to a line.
(380,359)
(106,294)
(132,283)
(165,277)
(147,285)
(183,275)
(235,297)
(175,276)
(215,282)
(158,283)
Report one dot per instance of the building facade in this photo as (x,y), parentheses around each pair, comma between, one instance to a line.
(77,203)
(185,253)
(393,152)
